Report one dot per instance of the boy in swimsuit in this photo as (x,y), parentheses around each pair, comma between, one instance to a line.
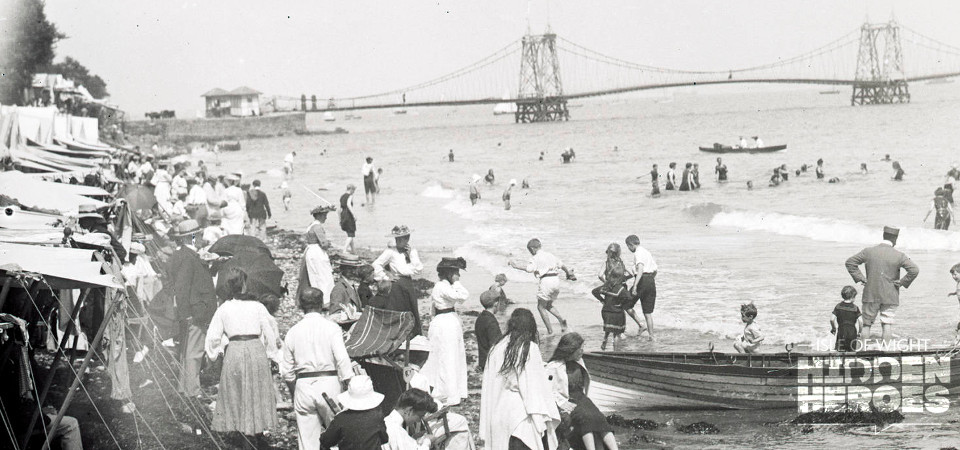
(506,195)
(751,338)
(474,192)
(955,273)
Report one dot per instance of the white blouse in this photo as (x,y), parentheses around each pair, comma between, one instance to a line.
(240,317)
(446,295)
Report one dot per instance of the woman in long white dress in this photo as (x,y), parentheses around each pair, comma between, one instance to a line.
(316,271)
(517,408)
(446,367)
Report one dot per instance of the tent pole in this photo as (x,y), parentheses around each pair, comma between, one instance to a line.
(5,291)
(114,302)
(53,365)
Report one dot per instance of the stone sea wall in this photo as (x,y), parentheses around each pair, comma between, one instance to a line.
(186,130)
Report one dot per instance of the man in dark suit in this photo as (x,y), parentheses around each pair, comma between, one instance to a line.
(881,291)
(195,296)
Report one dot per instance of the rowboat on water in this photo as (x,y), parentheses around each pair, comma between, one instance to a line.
(915,381)
(229,146)
(717,148)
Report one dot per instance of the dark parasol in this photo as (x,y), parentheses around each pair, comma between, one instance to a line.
(234,244)
(263,276)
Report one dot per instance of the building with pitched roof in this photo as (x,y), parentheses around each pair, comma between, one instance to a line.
(240,102)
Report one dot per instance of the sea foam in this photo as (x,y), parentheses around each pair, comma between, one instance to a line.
(833,230)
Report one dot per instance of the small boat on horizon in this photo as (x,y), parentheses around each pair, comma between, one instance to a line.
(830,92)
(718,148)
(400,111)
(941,81)
(329,117)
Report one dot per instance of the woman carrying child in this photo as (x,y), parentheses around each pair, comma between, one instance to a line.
(612,293)
(846,321)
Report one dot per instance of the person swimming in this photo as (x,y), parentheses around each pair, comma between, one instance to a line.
(489,177)
(541,156)
(863,168)
(819,169)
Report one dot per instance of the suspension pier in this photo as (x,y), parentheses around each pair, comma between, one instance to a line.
(540,98)
(880,78)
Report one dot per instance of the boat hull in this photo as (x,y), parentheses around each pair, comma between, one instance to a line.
(726,149)
(912,381)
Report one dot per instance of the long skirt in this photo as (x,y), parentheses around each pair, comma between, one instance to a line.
(614,319)
(246,402)
(319,271)
(446,367)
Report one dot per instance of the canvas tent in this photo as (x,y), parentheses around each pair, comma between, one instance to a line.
(34,193)
(63,268)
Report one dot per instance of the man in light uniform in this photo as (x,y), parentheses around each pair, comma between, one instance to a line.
(314,361)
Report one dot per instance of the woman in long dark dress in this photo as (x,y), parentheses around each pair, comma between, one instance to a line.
(246,400)
(581,423)
(612,293)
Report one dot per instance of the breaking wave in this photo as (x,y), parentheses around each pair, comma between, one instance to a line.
(833,230)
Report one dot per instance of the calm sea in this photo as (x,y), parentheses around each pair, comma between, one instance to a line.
(782,248)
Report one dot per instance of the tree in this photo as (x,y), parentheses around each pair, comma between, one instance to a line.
(25,46)
(73,70)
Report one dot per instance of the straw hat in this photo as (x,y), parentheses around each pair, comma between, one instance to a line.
(400,230)
(89,211)
(476,178)
(346,259)
(188,227)
(360,396)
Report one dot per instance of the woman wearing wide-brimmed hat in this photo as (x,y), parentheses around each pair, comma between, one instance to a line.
(446,367)
(345,302)
(316,270)
(403,263)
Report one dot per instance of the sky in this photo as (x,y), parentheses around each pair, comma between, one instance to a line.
(158,55)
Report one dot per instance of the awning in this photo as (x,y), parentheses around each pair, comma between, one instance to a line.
(71,264)
(34,193)
(12,218)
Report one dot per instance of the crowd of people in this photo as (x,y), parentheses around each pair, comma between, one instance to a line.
(526,402)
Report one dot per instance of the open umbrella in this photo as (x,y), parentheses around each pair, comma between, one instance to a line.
(234,244)
(263,276)
(138,196)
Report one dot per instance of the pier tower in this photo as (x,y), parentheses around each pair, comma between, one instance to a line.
(541,91)
(880,78)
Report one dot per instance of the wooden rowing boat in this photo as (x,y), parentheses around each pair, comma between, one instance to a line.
(807,381)
(717,148)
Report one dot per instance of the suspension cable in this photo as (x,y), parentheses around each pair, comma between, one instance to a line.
(829,47)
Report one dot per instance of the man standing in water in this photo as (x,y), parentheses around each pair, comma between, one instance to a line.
(881,292)
(369,180)
(644,287)
(546,268)
(721,170)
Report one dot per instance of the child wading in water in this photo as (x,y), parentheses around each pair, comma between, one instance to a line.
(612,294)
(751,338)
(955,273)
(846,321)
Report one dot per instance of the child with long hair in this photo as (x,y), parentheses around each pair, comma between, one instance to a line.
(516,407)
(582,423)
(612,294)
